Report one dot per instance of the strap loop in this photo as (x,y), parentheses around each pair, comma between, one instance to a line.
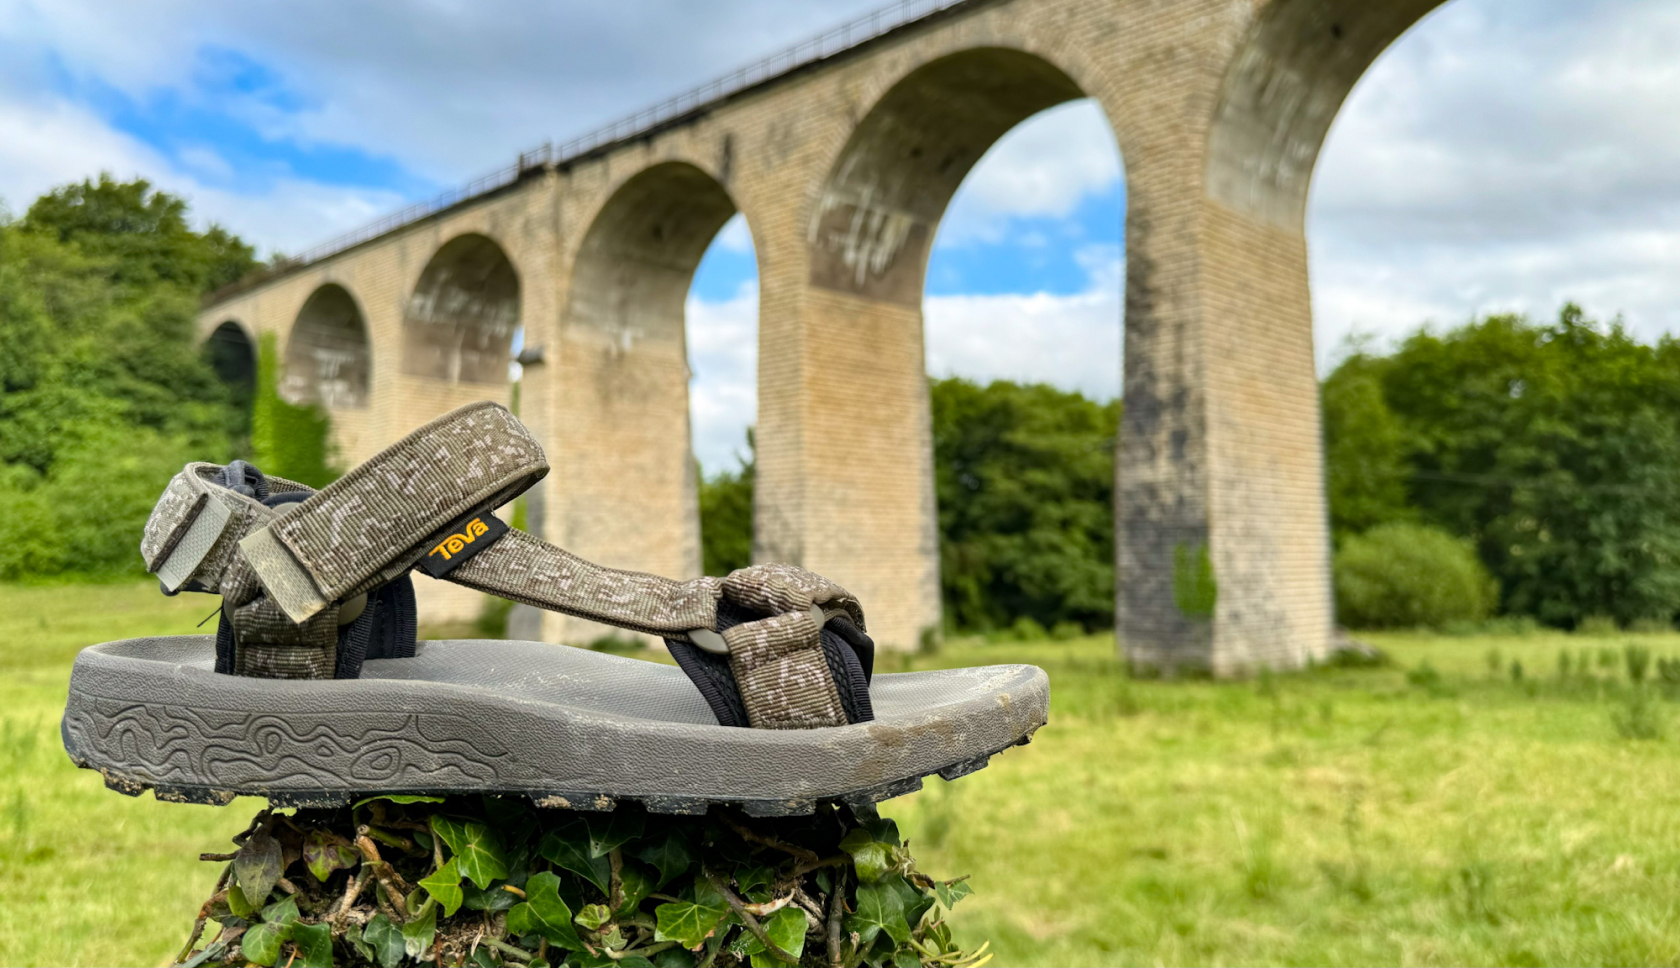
(374,523)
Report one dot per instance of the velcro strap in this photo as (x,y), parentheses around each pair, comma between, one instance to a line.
(782,674)
(371,525)
(193,532)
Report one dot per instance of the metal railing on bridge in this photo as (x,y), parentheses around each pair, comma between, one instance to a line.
(821,47)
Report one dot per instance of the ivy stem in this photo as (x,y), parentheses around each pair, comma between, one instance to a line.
(750,921)
(836,910)
(837,860)
(508,949)
(805,855)
(615,892)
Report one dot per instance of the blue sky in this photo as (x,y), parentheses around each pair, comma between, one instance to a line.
(1503,155)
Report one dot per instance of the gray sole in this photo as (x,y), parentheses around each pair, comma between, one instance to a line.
(565,727)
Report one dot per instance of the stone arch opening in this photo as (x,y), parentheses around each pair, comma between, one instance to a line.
(879,210)
(233,357)
(622,379)
(870,235)
(1281,93)
(327,355)
(460,322)
(637,260)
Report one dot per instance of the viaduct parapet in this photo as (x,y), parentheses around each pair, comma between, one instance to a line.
(843,161)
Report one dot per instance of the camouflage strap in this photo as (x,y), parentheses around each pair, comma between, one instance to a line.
(288,574)
(779,667)
(374,523)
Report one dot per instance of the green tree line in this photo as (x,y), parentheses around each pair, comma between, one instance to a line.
(104,393)
(1550,450)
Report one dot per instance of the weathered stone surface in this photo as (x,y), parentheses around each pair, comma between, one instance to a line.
(843,168)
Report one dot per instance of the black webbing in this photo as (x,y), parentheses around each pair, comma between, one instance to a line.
(848,652)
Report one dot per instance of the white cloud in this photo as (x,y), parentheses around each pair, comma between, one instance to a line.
(1043,167)
(1505,155)
(1072,342)
(45,142)
(735,236)
(723,387)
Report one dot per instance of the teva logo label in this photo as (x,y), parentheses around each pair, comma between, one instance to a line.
(455,543)
(460,542)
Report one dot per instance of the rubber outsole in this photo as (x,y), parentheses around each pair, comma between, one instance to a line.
(567,728)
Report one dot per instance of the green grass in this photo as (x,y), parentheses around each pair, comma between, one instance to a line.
(1335,816)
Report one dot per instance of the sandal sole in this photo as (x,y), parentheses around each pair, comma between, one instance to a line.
(481,716)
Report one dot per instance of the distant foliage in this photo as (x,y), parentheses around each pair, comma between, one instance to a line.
(102,393)
(1024,477)
(726,516)
(1553,448)
(288,440)
(1410,576)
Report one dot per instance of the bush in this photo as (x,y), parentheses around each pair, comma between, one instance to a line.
(84,517)
(1410,576)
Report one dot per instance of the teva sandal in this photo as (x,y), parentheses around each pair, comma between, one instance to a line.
(314,691)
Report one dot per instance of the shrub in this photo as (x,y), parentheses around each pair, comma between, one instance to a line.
(1410,576)
(84,517)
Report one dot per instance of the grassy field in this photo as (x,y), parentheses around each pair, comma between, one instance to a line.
(1437,811)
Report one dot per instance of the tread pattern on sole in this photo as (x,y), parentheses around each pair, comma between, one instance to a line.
(690,806)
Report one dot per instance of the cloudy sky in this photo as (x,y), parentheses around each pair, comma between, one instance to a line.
(1505,154)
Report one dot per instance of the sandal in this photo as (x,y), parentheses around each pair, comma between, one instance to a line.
(314,691)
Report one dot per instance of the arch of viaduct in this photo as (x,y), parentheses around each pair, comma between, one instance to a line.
(842,168)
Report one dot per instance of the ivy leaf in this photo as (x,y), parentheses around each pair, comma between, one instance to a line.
(324,853)
(879,909)
(511,818)
(786,930)
(257,867)
(674,958)
(237,903)
(870,857)
(261,942)
(688,923)
(397,798)
(354,939)
(593,916)
(283,911)
(493,899)
(950,894)
(669,855)
(754,882)
(914,902)
(385,940)
(418,933)
(568,847)
(314,945)
(478,851)
(544,913)
(445,885)
(607,831)
(884,830)
(636,883)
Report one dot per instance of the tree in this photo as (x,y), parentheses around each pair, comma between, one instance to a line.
(1364,452)
(726,515)
(102,393)
(1553,448)
(1024,477)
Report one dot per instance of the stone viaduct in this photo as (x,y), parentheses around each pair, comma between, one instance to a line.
(842,155)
